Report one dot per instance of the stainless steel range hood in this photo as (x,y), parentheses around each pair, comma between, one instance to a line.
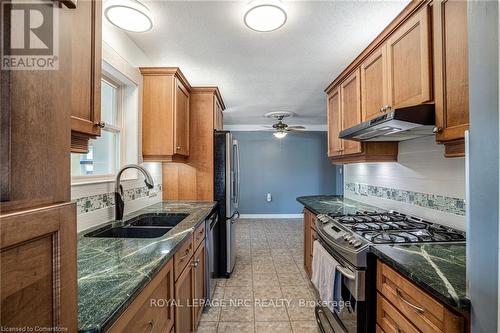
(399,125)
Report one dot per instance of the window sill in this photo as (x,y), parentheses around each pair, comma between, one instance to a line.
(78,181)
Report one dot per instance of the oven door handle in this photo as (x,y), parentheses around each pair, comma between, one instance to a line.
(346,272)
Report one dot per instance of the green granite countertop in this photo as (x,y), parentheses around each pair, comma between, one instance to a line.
(112,271)
(323,204)
(438,268)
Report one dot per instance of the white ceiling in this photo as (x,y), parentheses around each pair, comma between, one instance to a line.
(287,69)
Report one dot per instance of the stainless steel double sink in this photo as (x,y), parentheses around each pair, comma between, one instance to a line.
(152,225)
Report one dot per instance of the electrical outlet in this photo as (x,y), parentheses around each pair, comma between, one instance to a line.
(269,197)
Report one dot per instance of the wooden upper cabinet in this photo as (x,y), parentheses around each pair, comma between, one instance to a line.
(334,119)
(451,81)
(374,85)
(350,101)
(409,62)
(86,74)
(219,116)
(181,116)
(165,114)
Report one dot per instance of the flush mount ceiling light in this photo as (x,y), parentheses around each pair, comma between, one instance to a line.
(280,134)
(265,15)
(129,15)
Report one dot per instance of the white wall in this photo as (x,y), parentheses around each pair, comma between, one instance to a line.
(121,57)
(421,167)
(123,45)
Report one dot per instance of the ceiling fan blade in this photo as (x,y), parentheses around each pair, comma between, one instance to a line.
(295,130)
(267,126)
(297,127)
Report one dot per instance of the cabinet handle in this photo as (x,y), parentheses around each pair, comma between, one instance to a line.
(195,263)
(100,124)
(151,326)
(437,130)
(417,309)
(178,148)
(382,109)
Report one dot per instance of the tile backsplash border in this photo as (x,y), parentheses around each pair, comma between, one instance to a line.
(92,203)
(427,200)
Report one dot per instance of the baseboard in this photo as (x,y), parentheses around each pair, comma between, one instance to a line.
(271,216)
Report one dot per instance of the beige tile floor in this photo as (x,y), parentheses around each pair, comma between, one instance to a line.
(269,290)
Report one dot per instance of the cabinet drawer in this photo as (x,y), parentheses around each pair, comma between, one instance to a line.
(183,256)
(391,320)
(199,235)
(142,315)
(426,313)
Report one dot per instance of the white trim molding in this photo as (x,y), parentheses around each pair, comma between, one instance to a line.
(259,128)
(271,216)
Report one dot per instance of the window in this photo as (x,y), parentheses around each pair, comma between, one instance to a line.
(103,157)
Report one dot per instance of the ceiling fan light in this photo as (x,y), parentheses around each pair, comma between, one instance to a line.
(265,15)
(280,134)
(129,15)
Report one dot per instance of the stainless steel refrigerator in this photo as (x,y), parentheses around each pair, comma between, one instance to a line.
(227,195)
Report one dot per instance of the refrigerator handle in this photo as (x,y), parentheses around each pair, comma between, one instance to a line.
(467,208)
(237,203)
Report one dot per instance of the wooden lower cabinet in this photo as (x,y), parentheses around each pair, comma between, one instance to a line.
(190,287)
(198,283)
(404,307)
(184,295)
(309,238)
(173,301)
(38,275)
(150,311)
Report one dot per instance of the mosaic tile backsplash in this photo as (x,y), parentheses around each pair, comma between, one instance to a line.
(426,200)
(100,201)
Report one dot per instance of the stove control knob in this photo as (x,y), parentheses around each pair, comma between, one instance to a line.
(357,243)
(347,237)
(352,241)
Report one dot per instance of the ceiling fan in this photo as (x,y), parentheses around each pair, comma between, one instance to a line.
(280,128)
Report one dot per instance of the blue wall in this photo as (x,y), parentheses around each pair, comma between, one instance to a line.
(288,168)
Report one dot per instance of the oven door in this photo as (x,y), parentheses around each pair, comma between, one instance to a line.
(350,312)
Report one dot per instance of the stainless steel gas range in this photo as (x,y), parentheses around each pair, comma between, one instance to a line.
(349,238)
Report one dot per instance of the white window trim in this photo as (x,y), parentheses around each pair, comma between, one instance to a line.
(119,72)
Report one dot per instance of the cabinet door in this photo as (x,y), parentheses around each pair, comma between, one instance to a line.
(181,120)
(218,117)
(409,62)
(307,244)
(334,123)
(199,282)
(38,275)
(184,298)
(351,109)
(86,74)
(450,69)
(374,84)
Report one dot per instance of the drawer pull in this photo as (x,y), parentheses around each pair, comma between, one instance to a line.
(417,309)
(151,326)
(195,263)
